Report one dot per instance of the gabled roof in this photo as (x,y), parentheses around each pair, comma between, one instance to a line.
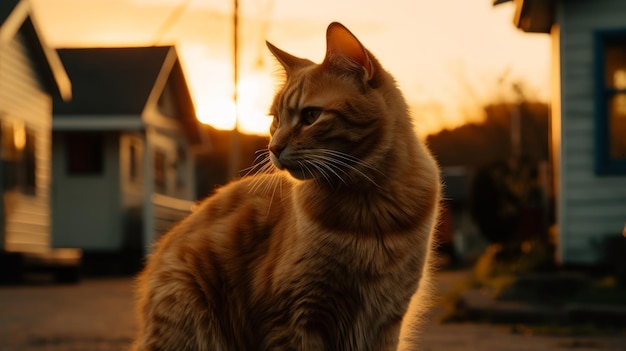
(110,81)
(124,81)
(16,17)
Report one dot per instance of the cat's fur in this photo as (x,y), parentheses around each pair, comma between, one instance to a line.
(323,255)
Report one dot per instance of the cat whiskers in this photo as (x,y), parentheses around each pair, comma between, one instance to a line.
(335,162)
(259,164)
(349,158)
(304,167)
(272,184)
(262,165)
(265,185)
(321,167)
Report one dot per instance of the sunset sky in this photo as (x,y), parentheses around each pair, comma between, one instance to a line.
(448,55)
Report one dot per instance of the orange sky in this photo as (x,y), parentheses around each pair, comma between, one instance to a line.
(447,55)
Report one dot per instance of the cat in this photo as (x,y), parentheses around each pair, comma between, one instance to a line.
(328,251)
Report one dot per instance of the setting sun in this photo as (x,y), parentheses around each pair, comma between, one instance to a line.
(255,96)
(251,112)
(219,113)
(210,80)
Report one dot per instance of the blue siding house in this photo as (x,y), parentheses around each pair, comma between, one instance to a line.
(124,149)
(588,124)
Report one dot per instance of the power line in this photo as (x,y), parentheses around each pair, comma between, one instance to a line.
(170,21)
(266,14)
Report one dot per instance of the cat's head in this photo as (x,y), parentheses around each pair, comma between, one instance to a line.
(332,120)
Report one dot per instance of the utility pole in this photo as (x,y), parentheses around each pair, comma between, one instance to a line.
(516,122)
(233,160)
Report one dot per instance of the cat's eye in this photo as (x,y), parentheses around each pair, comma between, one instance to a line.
(309,115)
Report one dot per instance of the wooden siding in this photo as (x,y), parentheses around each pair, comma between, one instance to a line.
(591,206)
(167,212)
(27,222)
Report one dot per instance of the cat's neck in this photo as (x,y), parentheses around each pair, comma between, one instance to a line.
(389,201)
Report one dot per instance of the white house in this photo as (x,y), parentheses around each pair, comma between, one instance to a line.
(30,75)
(124,149)
(588,124)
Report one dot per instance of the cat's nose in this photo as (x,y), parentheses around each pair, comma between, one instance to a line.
(277,149)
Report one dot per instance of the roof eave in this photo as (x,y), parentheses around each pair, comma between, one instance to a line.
(532,16)
(22,19)
(189,120)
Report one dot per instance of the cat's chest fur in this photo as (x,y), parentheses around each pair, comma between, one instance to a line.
(317,282)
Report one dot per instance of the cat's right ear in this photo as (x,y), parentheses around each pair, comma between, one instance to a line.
(288,61)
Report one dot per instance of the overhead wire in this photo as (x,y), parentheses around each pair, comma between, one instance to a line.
(266,13)
(170,21)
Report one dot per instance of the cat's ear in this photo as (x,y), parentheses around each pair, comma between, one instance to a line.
(288,61)
(341,43)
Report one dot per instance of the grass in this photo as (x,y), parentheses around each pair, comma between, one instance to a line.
(522,279)
(564,330)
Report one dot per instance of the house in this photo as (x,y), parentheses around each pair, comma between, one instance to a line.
(31,74)
(588,124)
(124,149)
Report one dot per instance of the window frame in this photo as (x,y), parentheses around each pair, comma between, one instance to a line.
(604,163)
(19,164)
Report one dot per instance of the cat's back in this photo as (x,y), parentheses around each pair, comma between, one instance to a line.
(208,259)
(238,212)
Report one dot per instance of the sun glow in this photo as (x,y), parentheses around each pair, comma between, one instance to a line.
(211,84)
(249,115)
(218,113)
(255,96)
(202,34)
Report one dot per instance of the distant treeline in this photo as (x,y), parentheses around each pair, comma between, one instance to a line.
(212,170)
(471,145)
(476,144)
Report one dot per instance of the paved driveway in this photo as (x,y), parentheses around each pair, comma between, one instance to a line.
(93,315)
(97,315)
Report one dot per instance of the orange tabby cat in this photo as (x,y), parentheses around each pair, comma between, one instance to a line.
(324,254)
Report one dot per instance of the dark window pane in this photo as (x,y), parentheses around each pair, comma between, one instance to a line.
(617,126)
(85,153)
(132,166)
(615,54)
(159,172)
(12,145)
(28,164)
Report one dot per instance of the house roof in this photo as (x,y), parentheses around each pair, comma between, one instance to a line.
(109,81)
(533,16)
(16,17)
(6,7)
(124,81)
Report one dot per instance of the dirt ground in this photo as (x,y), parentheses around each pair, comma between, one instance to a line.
(97,315)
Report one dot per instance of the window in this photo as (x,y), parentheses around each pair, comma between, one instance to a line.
(85,153)
(133,160)
(610,86)
(18,157)
(10,156)
(159,172)
(28,165)
(181,166)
